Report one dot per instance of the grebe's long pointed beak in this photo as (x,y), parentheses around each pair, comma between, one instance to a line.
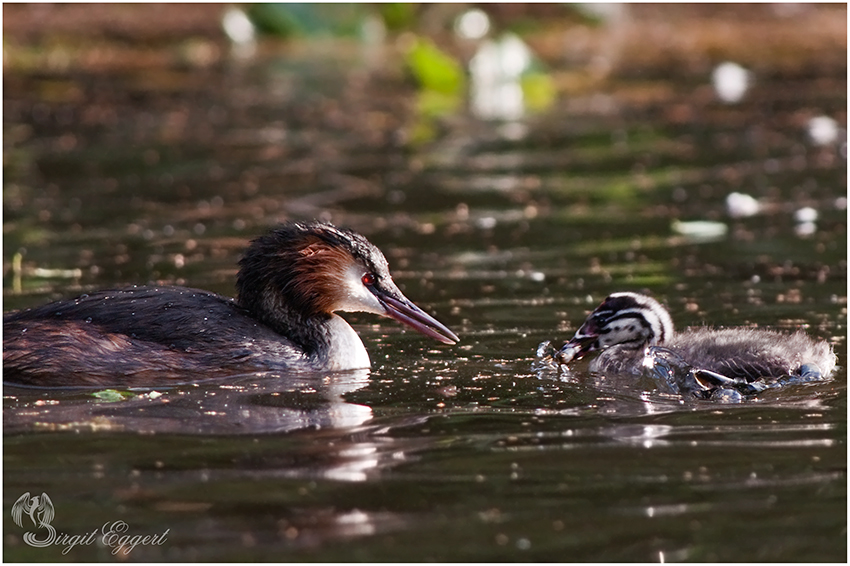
(404,311)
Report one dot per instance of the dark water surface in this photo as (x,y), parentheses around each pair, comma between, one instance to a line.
(510,233)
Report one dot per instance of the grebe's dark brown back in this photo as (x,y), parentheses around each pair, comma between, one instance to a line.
(290,283)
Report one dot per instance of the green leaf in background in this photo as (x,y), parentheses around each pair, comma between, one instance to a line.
(112,395)
(435,104)
(538,90)
(433,69)
(397,15)
(431,105)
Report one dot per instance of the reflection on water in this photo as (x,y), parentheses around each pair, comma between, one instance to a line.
(252,404)
(164,170)
(425,456)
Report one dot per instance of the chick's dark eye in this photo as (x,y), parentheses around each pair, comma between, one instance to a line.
(369,279)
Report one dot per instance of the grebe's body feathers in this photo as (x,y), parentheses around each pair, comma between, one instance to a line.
(752,353)
(93,339)
(290,283)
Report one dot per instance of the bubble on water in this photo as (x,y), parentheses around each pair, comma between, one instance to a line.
(731,82)
(487,222)
(823,130)
(740,205)
(806,214)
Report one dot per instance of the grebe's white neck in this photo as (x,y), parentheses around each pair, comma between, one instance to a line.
(345,349)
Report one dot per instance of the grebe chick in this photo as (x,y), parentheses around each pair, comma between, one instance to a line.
(291,281)
(636,336)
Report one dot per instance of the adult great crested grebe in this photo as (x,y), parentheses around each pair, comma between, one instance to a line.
(636,336)
(291,281)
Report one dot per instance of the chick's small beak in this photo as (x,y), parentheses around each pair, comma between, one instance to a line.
(404,311)
(577,348)
(581,344)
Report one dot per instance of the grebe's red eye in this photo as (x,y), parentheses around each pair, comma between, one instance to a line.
(369,279)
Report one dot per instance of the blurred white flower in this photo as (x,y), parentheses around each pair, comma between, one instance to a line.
(472,24)
(495,71)
(238,27)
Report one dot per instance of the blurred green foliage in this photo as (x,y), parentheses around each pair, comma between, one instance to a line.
(398,16)
(433,69)
(308,19)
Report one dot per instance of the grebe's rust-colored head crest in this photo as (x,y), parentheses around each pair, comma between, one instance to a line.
(314,269)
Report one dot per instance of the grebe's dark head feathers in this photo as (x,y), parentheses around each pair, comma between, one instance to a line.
(314,269)
(625,318)
(304,264)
